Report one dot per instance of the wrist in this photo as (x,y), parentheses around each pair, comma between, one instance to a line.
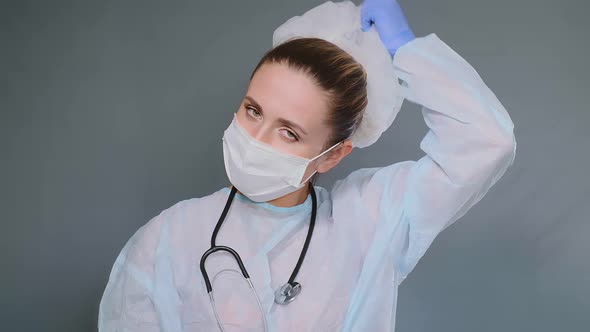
(400,40)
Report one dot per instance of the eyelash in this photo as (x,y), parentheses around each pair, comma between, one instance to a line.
(249,108)
(292,134)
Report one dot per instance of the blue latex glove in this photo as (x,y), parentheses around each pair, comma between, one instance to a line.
(390,22)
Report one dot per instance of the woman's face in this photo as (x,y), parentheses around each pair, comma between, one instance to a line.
(287,110)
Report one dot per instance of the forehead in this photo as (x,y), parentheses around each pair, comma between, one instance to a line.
(284,92)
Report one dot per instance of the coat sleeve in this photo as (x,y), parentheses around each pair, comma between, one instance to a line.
(468,147)
(398,210)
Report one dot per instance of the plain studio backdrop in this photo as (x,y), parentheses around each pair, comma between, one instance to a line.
(112,111)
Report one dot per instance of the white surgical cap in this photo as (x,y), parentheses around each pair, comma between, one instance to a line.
(340,24)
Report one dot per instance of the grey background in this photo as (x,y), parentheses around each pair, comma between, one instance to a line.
(112,111)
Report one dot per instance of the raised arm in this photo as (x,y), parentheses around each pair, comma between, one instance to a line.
(468,147)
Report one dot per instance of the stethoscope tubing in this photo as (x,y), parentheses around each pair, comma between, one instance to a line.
(215,249)
(287,292)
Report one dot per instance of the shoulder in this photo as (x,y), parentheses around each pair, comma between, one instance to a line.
(371,195)
(369,183)
(186,210)
(184,218)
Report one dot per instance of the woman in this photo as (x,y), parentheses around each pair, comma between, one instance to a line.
(344,252)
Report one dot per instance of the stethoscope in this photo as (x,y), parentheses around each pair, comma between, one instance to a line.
(283,295)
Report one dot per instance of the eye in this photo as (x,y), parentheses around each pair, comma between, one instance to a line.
(290,135)
(253,112)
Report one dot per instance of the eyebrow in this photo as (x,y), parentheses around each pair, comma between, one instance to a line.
(281,120)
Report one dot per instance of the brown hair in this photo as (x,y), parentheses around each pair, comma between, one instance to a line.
(335,71)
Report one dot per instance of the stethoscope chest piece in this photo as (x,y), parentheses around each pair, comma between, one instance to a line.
(287,293)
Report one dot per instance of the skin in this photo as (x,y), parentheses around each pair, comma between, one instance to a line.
(278,92)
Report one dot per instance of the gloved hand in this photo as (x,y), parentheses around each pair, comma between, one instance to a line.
(390,22)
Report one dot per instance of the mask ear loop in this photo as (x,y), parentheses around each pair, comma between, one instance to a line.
(316,157)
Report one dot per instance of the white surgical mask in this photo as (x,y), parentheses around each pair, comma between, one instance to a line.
(258,170)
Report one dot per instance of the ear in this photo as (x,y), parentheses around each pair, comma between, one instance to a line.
(334,157)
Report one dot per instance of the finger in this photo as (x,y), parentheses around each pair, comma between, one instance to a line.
(366,18)
(366,22)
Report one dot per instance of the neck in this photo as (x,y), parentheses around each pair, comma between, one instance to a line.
(295,198)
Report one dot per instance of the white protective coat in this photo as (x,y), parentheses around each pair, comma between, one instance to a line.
(372,227)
